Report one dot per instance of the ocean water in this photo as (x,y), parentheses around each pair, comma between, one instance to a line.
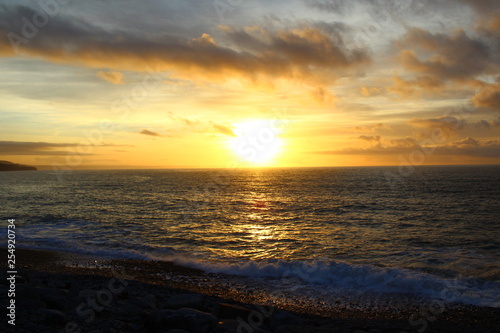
(329,233)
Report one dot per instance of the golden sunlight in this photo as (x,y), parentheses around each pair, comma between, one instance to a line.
(257,141)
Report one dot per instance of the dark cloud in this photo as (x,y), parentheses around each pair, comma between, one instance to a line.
(488,97)
(448,63)
(43,148)
(471,147)
(466,147)
(450,126)
(483,7)
(456,56)
(408,88)
(305,53)
(150,133)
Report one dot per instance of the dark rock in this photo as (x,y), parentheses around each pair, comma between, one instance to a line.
(282,318)
(86,293)
(227,326)
(57,303)
(175,330)
(329,330)
(148,317)
(54,317)
(200,316)
(295,329)
(146,302)
(171,319)
(20,279)
(27,292)
(178,301)
(48,291)
(244,326)
(229,311)
(28,304)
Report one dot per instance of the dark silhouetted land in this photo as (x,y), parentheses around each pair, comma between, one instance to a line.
(9,166)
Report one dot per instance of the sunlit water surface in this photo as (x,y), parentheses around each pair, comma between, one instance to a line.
(339,228)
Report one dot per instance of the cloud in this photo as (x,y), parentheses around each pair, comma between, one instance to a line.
(322,96)
(224,130)
(371,128)
(398,9)
(370,138)
(466,147)
(371,91)
(489,97)
(471,147)
(408,88)
(333,6)
(448,125)
(483,7)
(455,56)
(447,63)
(306,53)
(186,121)
(44,148)
(467,142)
(490,27)
(113,77)
(150,133)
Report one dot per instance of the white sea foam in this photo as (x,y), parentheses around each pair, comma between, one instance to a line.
(324,274)
(344,276)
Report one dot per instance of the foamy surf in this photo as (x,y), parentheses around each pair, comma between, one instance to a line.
(347,278)
(313,279)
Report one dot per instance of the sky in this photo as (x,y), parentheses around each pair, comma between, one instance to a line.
(238,83)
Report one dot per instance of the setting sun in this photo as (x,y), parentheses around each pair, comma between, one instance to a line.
(256,141)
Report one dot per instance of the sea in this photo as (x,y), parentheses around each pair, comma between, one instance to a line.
(360,237)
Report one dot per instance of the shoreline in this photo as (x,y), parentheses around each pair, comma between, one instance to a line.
(50,281)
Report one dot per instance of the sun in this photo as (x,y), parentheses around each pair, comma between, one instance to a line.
(257,141)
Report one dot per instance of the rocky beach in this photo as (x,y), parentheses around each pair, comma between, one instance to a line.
(63,292)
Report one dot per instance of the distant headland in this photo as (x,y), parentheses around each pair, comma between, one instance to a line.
(9,166)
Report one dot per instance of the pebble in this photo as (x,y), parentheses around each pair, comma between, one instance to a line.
(141,307)
(185,301)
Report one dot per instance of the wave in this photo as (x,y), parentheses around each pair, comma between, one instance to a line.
(340,275)
(319,273)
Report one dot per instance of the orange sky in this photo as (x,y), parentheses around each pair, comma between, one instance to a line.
(253,83)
